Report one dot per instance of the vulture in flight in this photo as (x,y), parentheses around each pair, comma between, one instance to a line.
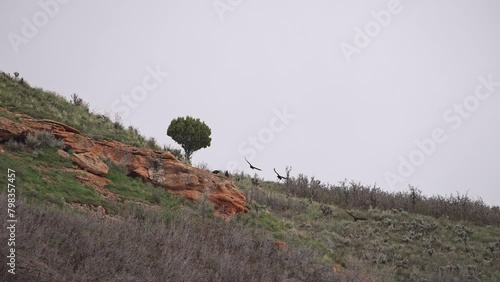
(355,217)
(251,166)
(279,176)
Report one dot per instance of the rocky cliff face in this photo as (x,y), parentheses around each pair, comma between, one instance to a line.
(157,167)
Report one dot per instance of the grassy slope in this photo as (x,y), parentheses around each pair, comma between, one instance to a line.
(22,98)
(411,246)
(392,243)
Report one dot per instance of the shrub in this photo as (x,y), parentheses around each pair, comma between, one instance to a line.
(134,131)
(118,125)
(36,153)
(152,144)
(77,101)
(355,195)
(326,210)
(13,145)
(203,166)
(155,162)
(43,140)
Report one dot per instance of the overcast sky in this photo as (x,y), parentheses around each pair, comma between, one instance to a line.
(387,92)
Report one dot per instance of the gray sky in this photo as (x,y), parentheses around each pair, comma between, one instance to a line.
(386,92)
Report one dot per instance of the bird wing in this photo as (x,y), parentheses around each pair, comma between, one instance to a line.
(251,166)
(279,176)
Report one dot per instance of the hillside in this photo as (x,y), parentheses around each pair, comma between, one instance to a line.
(97,201)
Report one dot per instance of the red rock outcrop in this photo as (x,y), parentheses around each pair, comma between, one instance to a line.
(90,162)
(10,129)
(157,167)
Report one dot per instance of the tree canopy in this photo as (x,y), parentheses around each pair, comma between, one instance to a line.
(192,134)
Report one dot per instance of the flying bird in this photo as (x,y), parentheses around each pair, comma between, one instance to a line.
(279,176)
(251,166)
(355,217)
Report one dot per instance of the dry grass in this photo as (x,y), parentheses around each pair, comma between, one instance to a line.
(62,245)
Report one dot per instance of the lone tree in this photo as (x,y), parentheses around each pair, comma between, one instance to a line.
(192,134)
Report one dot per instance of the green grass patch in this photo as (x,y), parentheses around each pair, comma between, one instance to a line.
(132,189)
(44,180)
